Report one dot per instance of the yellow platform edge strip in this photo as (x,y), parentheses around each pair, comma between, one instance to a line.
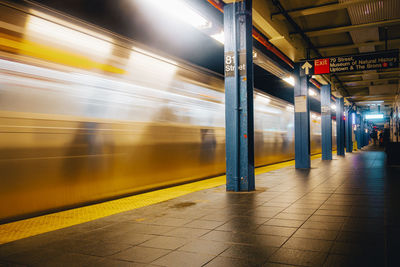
(42,224)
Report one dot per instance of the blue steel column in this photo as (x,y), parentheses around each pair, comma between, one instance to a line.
(301,121)
(362,131)
(340,126)
(358,131)
(239,115)
(326,122)
(349,130)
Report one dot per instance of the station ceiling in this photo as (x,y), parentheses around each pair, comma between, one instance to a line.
(330,28)
(326,27)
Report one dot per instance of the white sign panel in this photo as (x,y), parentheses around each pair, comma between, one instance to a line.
(300,103)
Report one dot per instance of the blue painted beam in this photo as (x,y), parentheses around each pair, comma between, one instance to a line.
(326,122)
(301,121)
(340,129)
(239,116)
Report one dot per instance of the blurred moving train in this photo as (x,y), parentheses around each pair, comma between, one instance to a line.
(86,115)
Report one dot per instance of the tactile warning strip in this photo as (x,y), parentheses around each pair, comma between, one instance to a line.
(46,223)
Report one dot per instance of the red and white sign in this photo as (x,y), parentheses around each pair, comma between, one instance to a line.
(321,66)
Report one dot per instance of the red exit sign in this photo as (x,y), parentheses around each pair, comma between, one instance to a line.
(321,66)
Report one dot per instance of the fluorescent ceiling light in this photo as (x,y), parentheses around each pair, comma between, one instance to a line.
(289,80)
(179,9)
(315,117)
(373,116)
(290,108)
(147,53)
(311,92)
(220,37)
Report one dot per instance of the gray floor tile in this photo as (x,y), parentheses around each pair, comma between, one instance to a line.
(38,256)
(203,224)
(316,234)
(221,236)
(284,222)
(291,216)
(272,264)
(166,221)
(141,254)
(229,262)
(72,259)
(322,225)
(270,240)
(298,257)
(106,262)
(296,210)
(183,258)
(308,244)
(165,242)
(256,254)
(321,218)
(187,232)
(275,230)
(205,247)
(234,226)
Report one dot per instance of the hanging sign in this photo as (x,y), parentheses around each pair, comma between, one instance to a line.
(359,62)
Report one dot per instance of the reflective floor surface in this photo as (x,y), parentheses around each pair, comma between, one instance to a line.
(345,212)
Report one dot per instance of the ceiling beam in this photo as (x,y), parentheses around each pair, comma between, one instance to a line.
(348,28)
(348,83)
(361,99)
(369,97)
(354,88)
(318,9)
(355,75)
(309,43)
(350,46)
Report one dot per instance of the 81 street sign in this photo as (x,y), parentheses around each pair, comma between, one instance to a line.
(359,62)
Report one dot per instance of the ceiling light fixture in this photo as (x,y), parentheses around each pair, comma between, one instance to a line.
(182,11)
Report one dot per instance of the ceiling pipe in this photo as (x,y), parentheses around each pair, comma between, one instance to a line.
(310,45)
(316,83)
(218,4)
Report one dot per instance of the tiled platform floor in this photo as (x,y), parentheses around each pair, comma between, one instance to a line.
(340,213)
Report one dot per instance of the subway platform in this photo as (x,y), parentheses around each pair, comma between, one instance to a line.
(344,212)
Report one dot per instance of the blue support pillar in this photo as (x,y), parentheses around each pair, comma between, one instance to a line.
(362,131)
(239,115)
(326,122)
(301,121)
(358,131)
(349,131)
(367,134)
(340,126)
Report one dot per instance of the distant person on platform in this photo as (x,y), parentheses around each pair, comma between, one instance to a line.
(374,135)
